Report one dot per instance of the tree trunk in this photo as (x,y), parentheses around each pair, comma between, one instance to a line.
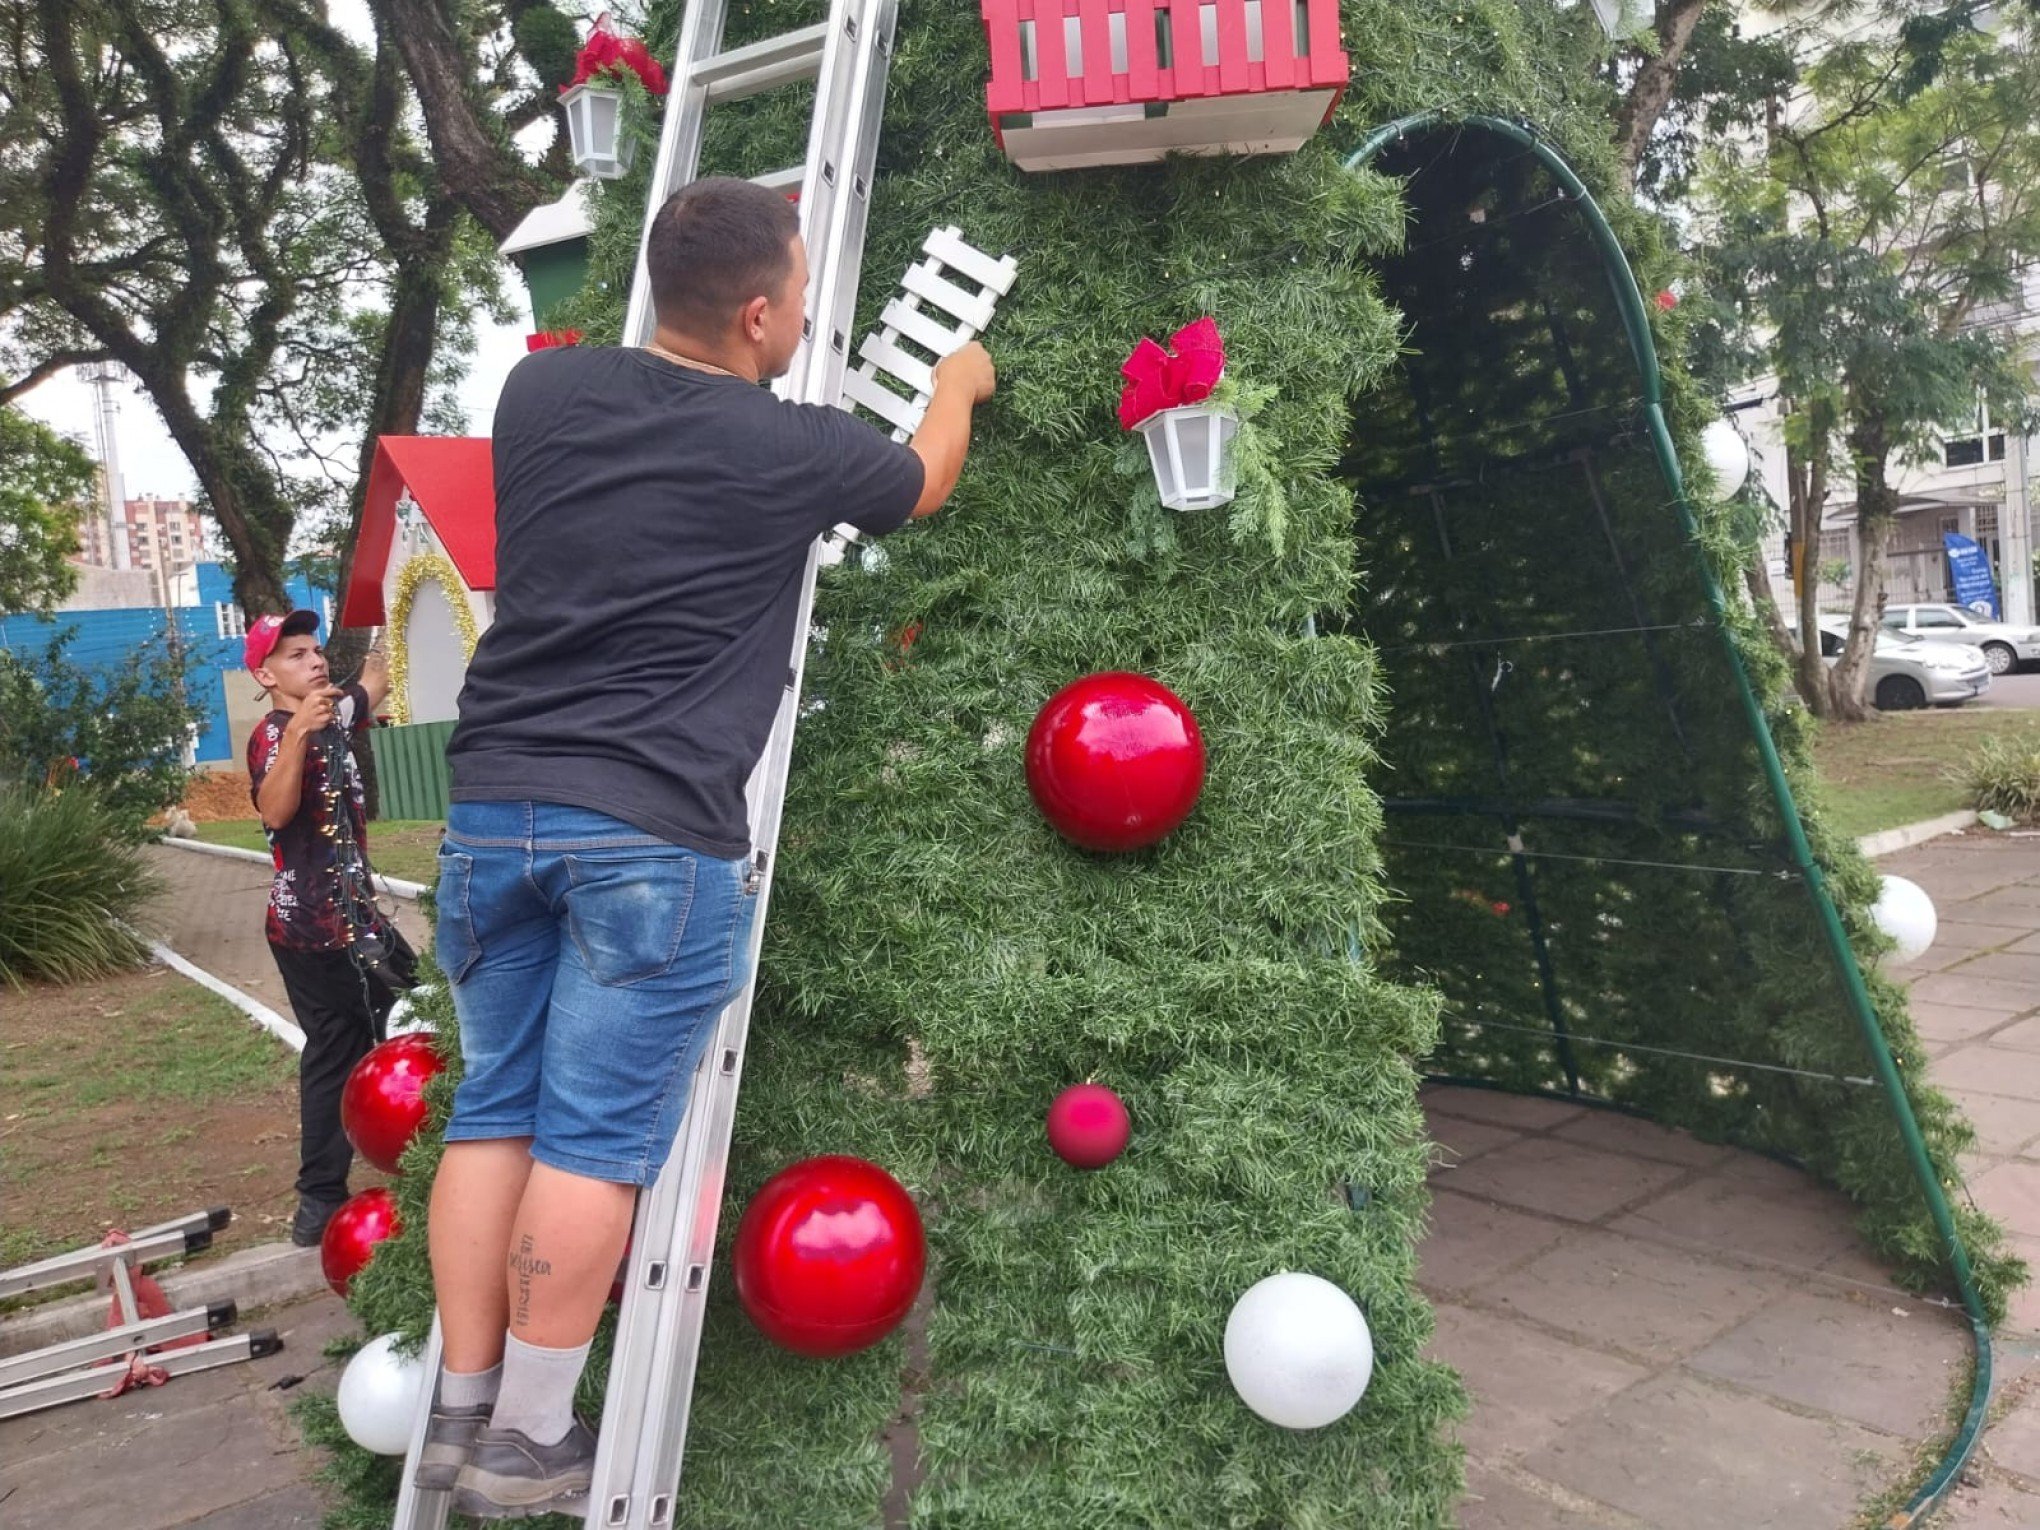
(1876,513)
(1651,91)
(240,492)
(404,368)
(471,158)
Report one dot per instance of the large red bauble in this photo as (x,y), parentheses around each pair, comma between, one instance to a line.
(353,1233)
(1088,1126)
(1115,761)
(829,1256)
(383,1103)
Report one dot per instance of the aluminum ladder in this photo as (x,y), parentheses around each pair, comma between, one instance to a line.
(658,1336)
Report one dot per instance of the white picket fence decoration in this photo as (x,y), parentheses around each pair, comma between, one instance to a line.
(935,314)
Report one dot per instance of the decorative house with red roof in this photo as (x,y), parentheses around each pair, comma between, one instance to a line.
(425,566)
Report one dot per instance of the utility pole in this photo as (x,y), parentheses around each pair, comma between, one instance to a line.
(101,376)
(2015,532)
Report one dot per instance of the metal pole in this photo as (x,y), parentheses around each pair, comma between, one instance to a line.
(102,375)
(2015,532)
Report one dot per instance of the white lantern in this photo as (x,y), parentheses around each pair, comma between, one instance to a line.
(1298,1351)
(379,1395)
(1728,456)
(1905,913)
(595,134)
(1620,18)
(1191,450)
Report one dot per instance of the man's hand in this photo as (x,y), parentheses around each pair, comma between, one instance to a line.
(316,713)
(969,368)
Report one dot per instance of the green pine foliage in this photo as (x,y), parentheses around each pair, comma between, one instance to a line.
(938,964)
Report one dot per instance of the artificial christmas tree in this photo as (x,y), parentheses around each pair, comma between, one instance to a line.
(940,962)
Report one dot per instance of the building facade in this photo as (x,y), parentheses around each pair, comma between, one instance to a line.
(166,534)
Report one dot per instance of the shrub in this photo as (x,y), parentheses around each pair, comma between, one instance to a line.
(2003,776)
(121,727)
(69,883)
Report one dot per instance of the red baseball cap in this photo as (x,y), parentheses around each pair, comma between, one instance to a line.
(268,631)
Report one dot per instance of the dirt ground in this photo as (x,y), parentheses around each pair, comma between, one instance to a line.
(217,794)
(135,1099)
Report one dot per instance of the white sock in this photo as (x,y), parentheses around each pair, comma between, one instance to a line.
(470,1389)
(537,1393)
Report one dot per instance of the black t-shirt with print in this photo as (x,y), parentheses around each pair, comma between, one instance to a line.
(305,907)
(652,529)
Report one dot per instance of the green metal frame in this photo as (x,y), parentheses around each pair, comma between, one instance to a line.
(1636,325)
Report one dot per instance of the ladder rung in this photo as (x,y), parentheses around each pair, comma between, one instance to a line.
(782,180)
(762,66)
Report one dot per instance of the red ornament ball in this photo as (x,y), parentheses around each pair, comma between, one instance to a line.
(1088,1126)
(1115,761)
(383,1103)
(829,1256)
(351,1236)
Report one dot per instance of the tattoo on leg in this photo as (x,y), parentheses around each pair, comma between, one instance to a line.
(525,1267)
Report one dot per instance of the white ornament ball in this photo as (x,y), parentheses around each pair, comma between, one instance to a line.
(1728,456)
(1905,913)
(379,1393)
(1298,1351)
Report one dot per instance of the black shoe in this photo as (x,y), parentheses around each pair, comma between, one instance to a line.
(509,1477)
(449,1441)
(309,1225)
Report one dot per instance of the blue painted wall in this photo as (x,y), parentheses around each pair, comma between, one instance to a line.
(110,637)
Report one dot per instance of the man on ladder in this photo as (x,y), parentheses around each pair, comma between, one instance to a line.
(655,513)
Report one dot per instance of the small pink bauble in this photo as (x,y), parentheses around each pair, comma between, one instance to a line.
(1088,1126)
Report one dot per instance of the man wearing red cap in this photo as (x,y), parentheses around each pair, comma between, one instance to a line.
(343,962)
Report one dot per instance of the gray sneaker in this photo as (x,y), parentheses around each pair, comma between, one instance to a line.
(507,1476)
(449,1441)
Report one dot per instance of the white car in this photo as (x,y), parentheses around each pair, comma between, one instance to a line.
(1906,673)
(2004,646)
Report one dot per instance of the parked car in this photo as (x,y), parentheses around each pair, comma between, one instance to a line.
(1912,672)
(2005,646)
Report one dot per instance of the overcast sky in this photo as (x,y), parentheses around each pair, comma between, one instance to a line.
(151,465)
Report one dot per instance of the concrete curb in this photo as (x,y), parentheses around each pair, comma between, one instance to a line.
(286,1031)
(396,887)
(264,1276)
(1889,841)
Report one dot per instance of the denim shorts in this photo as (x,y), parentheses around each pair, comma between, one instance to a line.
(589,963)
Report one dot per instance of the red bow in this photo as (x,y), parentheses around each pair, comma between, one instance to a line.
(1158,379)
(546,339)
(604,53)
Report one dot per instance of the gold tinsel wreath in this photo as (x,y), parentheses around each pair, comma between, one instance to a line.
(438,568)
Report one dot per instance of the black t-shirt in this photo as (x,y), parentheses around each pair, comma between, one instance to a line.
(652,528)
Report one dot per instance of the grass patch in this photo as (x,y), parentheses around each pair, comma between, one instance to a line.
(128,1100)
(406,848)
(181,1045)
(1900,767)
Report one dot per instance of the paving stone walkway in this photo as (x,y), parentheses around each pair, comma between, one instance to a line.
(212,911)
(214,1451)
(1976,1001)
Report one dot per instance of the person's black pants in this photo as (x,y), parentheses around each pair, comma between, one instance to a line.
(341,1011)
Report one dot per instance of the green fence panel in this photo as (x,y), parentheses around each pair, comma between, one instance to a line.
(410,766)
